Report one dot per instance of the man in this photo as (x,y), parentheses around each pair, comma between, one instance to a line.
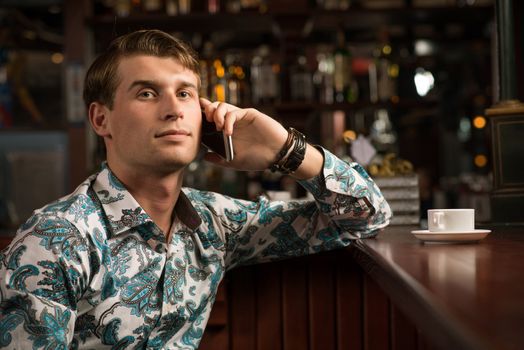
(132,259)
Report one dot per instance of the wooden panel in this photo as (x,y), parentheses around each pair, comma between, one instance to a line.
(242,312)
(423,343)
(349,303)
(295,304)
(322,328)
(376,317)
(216,336)
(323,302)
(403,332)
(269,307)
(218,317)
(215,339)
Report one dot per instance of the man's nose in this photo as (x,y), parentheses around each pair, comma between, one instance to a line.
(171,107)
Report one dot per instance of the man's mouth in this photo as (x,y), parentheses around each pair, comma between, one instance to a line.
(173,132)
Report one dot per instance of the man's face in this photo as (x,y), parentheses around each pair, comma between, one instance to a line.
(156,116)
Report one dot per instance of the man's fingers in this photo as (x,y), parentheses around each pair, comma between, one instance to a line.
(204,102)
(209,108)
(220,114)
(204,105)
(223,114)
(231,118)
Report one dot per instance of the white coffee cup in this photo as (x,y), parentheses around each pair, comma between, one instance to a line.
(452,220)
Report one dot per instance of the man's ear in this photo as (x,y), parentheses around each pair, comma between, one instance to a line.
(99,119)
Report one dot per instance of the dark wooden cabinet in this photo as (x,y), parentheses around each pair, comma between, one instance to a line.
(320,302)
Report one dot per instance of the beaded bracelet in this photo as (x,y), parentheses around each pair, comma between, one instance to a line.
(292,153)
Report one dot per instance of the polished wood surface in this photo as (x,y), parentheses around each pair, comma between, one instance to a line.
(461,296)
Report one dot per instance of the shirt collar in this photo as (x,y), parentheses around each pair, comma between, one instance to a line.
(124,212)
(186,212)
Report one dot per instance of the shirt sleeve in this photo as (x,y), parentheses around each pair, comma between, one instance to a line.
(347,205)
(40,283)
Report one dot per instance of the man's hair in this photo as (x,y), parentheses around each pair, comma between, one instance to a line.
(102,80)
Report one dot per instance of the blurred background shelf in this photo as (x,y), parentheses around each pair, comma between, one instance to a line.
(282,57)
(311,26)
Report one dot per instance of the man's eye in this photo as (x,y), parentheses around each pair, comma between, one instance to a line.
(184,94)
(147,94)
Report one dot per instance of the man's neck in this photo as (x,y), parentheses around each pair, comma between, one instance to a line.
(156,193)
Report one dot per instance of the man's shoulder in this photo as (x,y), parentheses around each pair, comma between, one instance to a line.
(197,196)
(208,198)
(74,210)
(217,203)
(72,205)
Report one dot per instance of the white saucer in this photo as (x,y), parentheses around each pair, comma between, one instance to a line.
(450,236)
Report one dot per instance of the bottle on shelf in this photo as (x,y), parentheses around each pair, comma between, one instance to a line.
(345,89)
(383,72)
(122,8)
(344,4)
(184,7)
(218,81)
(6,116)
(213,6)
(253,5)
(323,78)
(205,59)
(264,77)
(212,74)
(136,6)
(233,6)
(237,86)
(301,81)
(204,77)
(153,6)
(334,4)
(172,7)
(382,132)
(232,80)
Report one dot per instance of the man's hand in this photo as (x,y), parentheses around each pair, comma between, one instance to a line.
(257,139)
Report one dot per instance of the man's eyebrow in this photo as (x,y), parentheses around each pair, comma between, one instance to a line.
(187,84)
(149,83)
(153,84)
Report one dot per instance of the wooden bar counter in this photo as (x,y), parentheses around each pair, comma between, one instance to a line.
(388,293)
(460,296)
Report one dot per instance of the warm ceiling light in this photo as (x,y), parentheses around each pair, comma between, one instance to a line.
(479,122)
(481,160)
(349,136)
(57,58)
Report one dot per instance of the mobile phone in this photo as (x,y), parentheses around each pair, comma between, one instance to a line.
(216,141)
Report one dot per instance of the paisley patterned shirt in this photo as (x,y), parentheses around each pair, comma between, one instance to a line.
(92,270)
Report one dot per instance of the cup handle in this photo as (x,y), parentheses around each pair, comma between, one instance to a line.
(437,219)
